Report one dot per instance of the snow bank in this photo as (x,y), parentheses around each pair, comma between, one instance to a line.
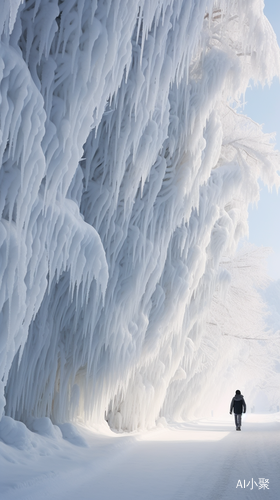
(15,434)
(70,433)
(126,173)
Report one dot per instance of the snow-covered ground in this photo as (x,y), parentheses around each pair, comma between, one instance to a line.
(205,459)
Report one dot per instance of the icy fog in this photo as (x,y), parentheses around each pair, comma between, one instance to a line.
(126,174)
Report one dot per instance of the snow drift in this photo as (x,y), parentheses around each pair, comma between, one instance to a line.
(126,173)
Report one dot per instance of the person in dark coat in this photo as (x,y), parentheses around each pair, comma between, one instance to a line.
(238,405)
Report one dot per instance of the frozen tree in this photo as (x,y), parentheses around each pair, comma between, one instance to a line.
(126,173)
(270,384)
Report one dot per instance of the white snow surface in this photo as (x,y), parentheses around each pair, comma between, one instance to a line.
(204,459)
(126,173)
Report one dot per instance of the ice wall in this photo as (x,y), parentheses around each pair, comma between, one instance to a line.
(126,173)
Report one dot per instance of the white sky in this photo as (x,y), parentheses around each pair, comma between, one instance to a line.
(263,106)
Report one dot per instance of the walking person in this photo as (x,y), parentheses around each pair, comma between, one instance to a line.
(238,405)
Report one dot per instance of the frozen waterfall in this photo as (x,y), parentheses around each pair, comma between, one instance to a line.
(126,174)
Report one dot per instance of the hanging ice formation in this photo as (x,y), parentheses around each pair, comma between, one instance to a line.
(125,178)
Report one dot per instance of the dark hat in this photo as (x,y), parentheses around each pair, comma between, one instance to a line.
(237,392)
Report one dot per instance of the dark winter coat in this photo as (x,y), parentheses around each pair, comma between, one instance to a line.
(238,404)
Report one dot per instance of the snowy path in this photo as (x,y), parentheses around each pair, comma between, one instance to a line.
(204,460)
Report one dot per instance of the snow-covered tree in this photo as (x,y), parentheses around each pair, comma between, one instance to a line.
(126,173)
